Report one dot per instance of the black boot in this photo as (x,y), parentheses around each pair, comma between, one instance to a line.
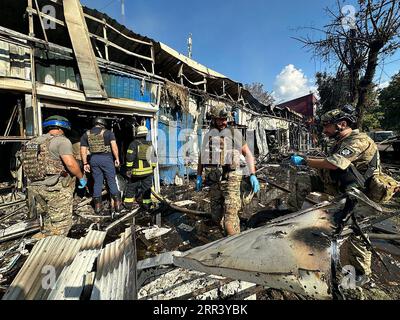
(117,203)
(97,205)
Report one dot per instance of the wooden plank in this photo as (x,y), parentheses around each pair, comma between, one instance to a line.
(11,84)
(46,16)
(83,49)
(64,95)
(386,226)
(387,247)
(115,30)
(111,44)
(18,35)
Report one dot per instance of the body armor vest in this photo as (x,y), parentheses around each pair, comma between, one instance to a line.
(37,162)
(222,152)
(97,143)
(143,166)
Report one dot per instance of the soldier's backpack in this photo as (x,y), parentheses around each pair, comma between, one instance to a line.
(381,188)
(36,160)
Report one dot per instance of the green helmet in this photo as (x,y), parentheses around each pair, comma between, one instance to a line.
(219,111)
(337,115)
(56,122)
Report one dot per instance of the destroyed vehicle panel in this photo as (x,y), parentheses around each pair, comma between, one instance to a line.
(291,253)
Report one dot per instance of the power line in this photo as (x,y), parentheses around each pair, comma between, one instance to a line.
(108,4)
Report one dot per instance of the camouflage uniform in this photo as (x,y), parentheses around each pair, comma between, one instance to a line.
(50,187)
(357,149)
(224,179)
(54,204)
(225,201)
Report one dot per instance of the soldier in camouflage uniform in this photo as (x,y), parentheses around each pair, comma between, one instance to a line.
(50,168)
(351,162)
(220,156)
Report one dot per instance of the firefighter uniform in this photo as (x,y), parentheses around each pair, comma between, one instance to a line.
(140,164)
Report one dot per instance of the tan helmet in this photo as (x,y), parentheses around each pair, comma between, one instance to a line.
(219,111)
(142,131)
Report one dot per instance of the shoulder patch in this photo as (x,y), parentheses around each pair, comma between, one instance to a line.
(346,152)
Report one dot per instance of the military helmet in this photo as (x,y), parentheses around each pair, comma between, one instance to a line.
(100,121)
(142,131)
(347,112)
(56,122)
(219,111)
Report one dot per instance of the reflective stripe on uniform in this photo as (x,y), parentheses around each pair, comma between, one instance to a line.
(142,171)
(129,200)
(147,201)
(129,164)
(130,151)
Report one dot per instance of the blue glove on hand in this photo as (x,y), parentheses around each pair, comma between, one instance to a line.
(255,184)
(199,183)
(83,183)
(298,161)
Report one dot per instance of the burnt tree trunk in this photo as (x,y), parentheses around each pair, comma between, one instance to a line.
(366,83)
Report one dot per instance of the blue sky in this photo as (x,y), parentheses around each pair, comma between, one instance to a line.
(248,41)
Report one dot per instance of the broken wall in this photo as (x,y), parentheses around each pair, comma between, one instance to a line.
(178,139)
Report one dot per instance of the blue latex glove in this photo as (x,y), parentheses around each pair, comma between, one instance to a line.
(255,184)
(199,183)
(298,161)
(83,183)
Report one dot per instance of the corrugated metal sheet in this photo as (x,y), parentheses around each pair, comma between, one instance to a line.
(116,270)
(57,70)
(122,86)
(14,61)
(69,284)
(55,252)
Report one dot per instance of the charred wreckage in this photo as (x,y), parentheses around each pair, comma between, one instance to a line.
(57,57)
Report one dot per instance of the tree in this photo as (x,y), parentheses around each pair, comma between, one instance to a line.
(389,99)
(334,92)
(257,91)
(357,41)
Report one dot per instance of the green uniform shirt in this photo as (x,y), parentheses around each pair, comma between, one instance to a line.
(357,148)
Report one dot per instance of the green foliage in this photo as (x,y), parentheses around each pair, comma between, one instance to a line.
(389,100)
(334,92)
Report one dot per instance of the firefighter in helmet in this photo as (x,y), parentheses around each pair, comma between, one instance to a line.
(141,160)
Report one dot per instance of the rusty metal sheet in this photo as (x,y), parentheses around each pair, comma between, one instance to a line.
(83,50)
(291,253)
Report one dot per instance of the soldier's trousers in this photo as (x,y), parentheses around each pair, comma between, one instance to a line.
(225,202)
(102,165)
(54,204)
(359,254)
(139,190)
